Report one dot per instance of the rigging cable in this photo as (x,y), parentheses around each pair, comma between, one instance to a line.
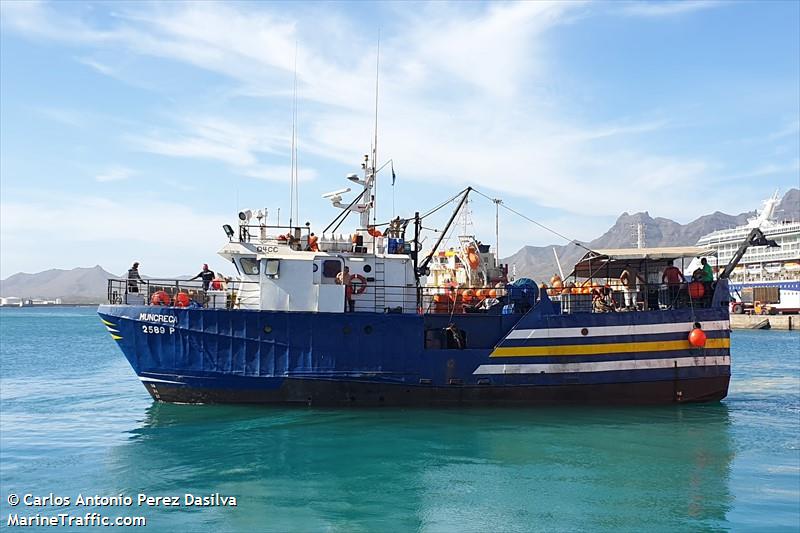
(435,209)
(345,212)
(554,232)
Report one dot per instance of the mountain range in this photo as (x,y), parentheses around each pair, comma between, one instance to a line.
(78,286)
(538,262)
(88,285)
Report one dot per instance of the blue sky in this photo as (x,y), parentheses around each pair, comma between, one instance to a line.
(134,130)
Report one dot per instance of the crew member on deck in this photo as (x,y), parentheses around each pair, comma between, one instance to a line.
(455,337)
(630,278)
(134,278)
(707,277)
(673,277)
(603,299)
(207,275)
(219,283)
(344,278)
(313,243)
(708,273)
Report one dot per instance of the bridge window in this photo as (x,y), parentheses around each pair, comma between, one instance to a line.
(272,268)
(249,265)
(331,268)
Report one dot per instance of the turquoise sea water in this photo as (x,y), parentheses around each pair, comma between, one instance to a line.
(75,420)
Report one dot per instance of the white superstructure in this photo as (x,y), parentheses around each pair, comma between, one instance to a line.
(760,263)
(291,269)
(762,266)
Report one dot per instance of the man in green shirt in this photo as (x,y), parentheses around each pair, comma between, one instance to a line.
(708,274)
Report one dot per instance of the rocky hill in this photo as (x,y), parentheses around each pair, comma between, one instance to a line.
(538,262)
(79,285)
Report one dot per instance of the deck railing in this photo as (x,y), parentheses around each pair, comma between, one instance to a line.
(238,294)
(218,294)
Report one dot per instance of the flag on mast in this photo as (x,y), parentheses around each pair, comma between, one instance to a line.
(394,177)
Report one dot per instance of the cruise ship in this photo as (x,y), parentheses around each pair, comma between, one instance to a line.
(765,275)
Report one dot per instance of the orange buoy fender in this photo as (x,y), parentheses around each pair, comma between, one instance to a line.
(160,298)
(182,300)
(696,290)
(697,338)
(359,283)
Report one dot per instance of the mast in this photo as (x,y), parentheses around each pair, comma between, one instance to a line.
(497,202)
(293,192)
(375,141)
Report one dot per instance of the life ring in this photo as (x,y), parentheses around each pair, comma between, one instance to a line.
(361,286)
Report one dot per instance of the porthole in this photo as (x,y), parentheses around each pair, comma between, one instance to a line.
(367,269)
(367,329)
(584,332)
(267,329)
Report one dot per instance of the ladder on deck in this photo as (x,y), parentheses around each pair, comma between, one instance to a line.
(380,285)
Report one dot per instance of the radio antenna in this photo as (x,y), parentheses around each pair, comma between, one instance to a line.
(294,206)
(375,142)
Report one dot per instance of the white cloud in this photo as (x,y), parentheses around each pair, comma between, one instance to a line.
(98,66)
(667,9)
(462,99)
(115,174)
(483,131)
(770,169)
(88,230)
(237,145)
(791,129)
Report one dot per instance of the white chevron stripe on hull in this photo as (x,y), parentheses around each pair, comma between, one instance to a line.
(603,331)
(154,380)
(603,366)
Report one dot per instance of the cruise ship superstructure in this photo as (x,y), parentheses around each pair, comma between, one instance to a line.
(773,268)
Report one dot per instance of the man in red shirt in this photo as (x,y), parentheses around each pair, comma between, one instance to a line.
(673,278)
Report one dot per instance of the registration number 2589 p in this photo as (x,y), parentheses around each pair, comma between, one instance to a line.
(157,330)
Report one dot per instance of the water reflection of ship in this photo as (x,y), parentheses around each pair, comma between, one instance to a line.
(441,469)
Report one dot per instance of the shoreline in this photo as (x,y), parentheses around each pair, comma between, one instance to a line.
(783,322)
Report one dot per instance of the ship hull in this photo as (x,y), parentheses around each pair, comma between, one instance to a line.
(308,392)
(368,359)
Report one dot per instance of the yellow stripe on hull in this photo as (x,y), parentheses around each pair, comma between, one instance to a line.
(107,323)
(115,337)
(598,349)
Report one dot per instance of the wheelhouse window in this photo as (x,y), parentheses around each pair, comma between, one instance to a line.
(331,268)
(272,268)
(250,266)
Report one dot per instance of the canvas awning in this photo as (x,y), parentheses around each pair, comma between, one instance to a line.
(610,262)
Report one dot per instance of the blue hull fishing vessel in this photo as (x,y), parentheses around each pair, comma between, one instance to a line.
(372,320)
